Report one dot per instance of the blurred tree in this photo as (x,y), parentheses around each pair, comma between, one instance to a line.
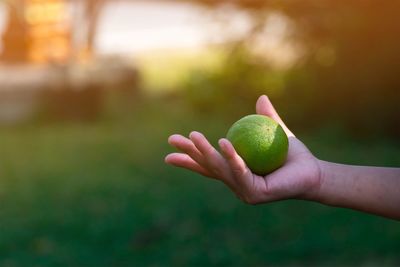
(350,60)
(92,14)
(86,25)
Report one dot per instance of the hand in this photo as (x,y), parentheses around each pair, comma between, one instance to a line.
(300,177)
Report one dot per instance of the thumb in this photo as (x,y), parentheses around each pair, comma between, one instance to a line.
(265,107)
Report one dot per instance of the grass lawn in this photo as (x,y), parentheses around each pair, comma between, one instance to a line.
(99,194)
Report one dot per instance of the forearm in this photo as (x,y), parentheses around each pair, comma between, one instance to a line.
(370,189)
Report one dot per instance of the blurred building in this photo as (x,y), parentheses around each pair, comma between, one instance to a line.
(37,31)
(58,36)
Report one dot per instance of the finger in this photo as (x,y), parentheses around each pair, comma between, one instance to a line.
(265,107)
(186,146)
(214,160)
(253,187)
(250,184)
(184,161)
(236,163)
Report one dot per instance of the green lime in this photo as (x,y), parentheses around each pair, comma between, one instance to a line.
(261,142)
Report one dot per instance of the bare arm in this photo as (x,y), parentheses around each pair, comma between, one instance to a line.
(369,189)
(303,176)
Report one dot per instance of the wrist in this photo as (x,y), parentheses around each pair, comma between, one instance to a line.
(330,187)
(317,194)
(315,180)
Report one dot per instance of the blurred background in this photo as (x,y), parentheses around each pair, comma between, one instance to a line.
(91,90)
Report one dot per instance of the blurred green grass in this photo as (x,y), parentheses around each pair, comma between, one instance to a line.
(165,71)
(99,194)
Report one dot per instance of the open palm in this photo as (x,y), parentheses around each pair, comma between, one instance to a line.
(298,178)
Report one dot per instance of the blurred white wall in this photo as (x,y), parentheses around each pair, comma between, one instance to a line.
(137,26)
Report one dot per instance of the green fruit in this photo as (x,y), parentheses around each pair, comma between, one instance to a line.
(261,142)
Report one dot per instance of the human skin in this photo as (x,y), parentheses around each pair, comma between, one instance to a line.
(373,190)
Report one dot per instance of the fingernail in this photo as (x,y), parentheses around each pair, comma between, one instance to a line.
(166,159)
(170,139)
(224,144)
(221,143)
(194,133)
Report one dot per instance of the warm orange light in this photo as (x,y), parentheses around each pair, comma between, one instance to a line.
(45,12)
(48,31)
